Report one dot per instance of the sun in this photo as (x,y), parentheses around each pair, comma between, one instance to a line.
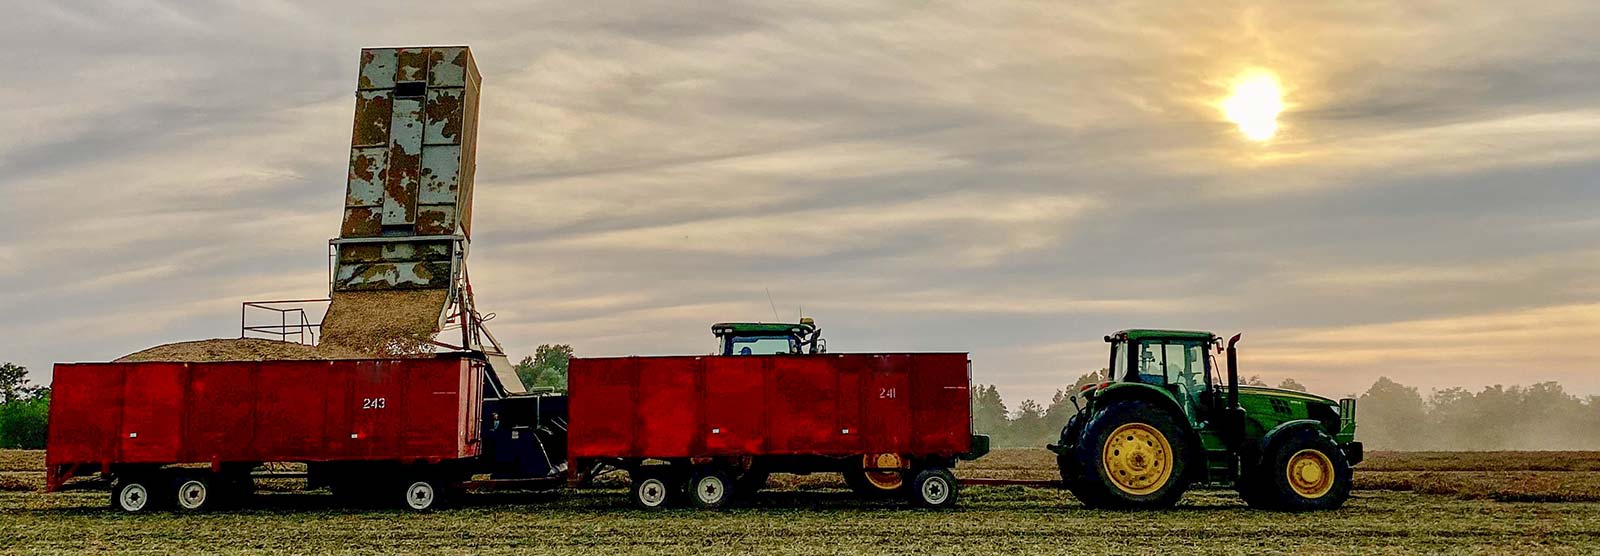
(1254,104)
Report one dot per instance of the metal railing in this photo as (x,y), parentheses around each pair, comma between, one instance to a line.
(293,321)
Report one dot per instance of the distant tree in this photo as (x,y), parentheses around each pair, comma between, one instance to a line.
(989,415)
(1028,427)
(14,383)
(24,409)
(1255,380)
(547,368)
(1292,384)
(1391,416)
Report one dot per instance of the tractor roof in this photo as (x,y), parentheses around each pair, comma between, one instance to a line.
(761,328)
(1143,333)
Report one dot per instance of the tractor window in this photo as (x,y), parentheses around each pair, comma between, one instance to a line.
(763,345)
(1119,361)
(1152,363)
(1173,362)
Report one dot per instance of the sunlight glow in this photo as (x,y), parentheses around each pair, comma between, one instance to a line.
(1254,105)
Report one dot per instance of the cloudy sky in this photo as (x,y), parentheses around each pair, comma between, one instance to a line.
(1010,179)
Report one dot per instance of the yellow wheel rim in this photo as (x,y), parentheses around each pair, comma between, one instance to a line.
(1137,458)
(1310,473)
(883,480)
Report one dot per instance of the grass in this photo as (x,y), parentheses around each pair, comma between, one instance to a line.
(813,516)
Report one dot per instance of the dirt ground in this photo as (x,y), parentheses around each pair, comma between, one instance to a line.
(814,515)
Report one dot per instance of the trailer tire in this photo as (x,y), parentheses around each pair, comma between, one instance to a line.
(195,493)
(423,494)
(710,489)
(651,490)
(935,489)
(134,494)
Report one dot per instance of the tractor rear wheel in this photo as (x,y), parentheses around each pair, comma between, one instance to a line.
(1131,456)
(1304,472)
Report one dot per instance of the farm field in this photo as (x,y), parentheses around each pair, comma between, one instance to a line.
(1492,503)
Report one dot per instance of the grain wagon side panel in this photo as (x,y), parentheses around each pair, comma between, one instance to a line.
(667,418)
(941,406)
(153,406)
(291,410)
(338,414)
(602,407)
(802,409)
(734,401)
(430,407)
(887,409)
(220,421)
(849,406)
(377,399)
(85,413)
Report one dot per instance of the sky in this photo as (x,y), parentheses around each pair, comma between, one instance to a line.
(1009,179)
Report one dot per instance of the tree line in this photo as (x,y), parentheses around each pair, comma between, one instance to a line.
(1389,416)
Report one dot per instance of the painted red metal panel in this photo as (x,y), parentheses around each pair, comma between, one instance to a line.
(112,413)
(841,405)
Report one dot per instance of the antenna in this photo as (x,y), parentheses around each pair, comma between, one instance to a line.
(773,305)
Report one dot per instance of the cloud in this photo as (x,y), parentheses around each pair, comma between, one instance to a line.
(1013,180)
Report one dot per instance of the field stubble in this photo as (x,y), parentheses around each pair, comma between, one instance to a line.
(811,515)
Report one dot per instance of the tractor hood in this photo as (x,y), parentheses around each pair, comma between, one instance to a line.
(1265,391)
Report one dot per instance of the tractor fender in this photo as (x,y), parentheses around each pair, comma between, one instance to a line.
(1281,431)
(1196,458)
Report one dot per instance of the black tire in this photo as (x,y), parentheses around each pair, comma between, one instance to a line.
(709,489)
(653,490)
(857,480)
(751,482)
(934,489)
(421,493)
(1146,426)
(1294,474)
(196,492)
(139,494)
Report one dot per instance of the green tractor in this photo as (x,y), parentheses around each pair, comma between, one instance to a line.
(769,338)
(1162,421)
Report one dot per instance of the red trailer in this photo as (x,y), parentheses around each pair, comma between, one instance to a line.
(189,434)
(712,426)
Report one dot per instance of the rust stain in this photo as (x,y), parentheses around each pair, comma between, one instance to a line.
(411,64)
(373,112)
(361,222)
(434,220)
(444,116)
(360,253)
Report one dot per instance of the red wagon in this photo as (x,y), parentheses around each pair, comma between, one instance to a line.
(190,433)
(709,427)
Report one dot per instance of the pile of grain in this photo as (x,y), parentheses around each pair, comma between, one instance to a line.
(237,349)
(384,323)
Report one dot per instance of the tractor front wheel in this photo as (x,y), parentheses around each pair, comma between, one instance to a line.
(1131,456)
(1304,472)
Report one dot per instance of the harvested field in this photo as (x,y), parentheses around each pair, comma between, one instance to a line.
(814,515)
(237,349)
(383,323)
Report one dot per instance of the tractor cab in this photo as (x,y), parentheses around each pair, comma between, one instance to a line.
(769,338)
(1177,361)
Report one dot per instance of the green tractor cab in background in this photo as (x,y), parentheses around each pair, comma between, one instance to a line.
(1166,418)
(769,338)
